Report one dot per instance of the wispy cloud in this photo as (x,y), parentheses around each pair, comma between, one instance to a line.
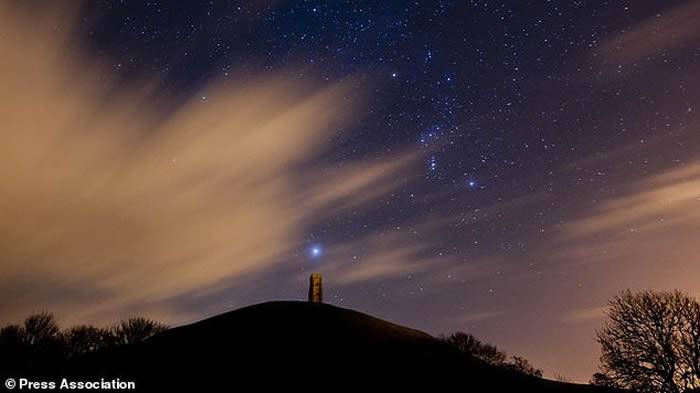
(644,236)
(585,314)
(662,32)
(382,255)
(667,200)
(105,209)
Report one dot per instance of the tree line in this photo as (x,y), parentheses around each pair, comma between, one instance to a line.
(39,341)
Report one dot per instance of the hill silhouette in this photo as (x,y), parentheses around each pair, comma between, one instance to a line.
(299,344)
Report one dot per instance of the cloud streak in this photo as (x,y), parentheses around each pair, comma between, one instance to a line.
(107,208)
(662,32)
(668,200)
(586,314)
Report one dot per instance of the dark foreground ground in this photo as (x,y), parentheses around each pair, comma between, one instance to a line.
(300,345)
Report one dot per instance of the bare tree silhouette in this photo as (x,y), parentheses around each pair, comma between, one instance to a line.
(136,330)
(41,329)
(651,342)
(468,344)
(83,339)
(522,365)
(42,337)
(11,336)
(602,379)
(13,350)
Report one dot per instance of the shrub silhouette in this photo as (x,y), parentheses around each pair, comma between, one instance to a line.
(11,336)
(13,350)
(136,330)
(472,346)
(41,329)
(651,343)
(83,339)
(520,364)
(490,354)
(42,340)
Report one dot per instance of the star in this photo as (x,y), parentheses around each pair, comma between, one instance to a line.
(315,251)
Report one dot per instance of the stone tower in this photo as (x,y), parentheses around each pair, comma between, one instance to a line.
(315,288)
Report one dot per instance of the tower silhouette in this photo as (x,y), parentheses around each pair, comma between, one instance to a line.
(315,288)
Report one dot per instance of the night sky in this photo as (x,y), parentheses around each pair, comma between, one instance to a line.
(495,167)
